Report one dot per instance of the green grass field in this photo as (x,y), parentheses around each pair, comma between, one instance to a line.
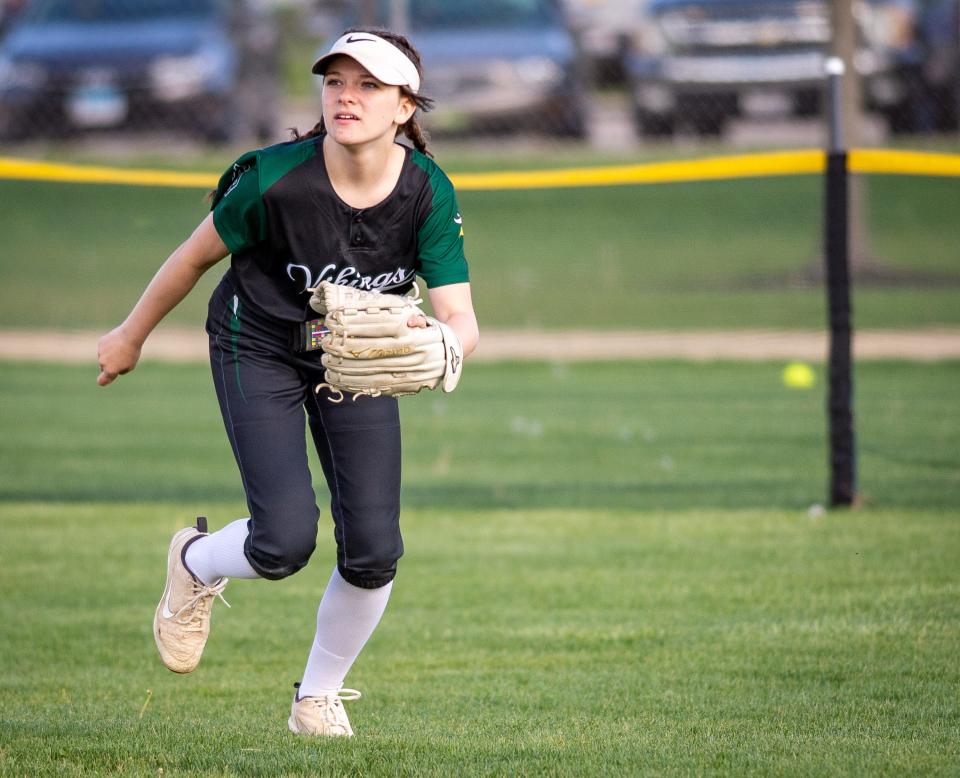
(610,570)
(732,254)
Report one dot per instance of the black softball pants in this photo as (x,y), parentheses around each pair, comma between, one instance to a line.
(265,390)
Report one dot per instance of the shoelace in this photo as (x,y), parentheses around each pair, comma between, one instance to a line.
(189,614)
(330,706)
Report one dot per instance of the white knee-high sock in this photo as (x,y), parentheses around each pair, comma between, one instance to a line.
(220,554)
(346,619)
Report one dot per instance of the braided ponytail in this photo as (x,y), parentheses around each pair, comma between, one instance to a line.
(417,136)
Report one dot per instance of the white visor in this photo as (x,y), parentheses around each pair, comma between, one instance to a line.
(381,58)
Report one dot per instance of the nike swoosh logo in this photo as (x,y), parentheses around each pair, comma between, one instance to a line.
(351,39)
(165,610)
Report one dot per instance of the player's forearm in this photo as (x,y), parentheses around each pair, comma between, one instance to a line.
(452,304)
(169,286)
(465,325)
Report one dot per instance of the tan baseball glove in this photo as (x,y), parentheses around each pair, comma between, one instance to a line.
(371,350)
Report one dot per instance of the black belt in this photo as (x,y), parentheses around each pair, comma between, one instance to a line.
(307,334)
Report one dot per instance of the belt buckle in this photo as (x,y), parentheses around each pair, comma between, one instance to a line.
(311,334)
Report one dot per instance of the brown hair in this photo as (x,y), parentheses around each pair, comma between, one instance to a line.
(411,128)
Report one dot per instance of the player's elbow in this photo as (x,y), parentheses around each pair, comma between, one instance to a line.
(204,248)
(464,324)
(470,337)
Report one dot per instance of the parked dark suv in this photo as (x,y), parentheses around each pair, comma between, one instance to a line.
(204,67)
(702,62)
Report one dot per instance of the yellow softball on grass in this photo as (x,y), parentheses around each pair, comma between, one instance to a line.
(799,375)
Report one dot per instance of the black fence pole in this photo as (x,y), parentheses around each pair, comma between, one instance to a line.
(843,459)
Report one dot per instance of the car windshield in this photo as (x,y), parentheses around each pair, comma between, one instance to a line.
(95,11)
(445,14)
(469,13)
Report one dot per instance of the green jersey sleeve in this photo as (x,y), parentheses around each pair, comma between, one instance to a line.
(238,212)
(440,237)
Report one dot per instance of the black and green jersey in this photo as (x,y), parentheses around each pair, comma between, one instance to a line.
(287,229)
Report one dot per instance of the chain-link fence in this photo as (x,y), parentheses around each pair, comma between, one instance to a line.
(624,73)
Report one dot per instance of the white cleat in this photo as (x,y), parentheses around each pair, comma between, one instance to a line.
(181,623)
(323,715)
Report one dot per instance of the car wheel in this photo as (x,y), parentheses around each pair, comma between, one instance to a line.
(10,132)
(707,124)
(571,125)
(651,125)
(806,104)
(265,134)
(219,124)
(948,119)
(264,123)
(17,126)
(217,134)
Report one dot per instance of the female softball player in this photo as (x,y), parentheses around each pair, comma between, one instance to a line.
(346,204)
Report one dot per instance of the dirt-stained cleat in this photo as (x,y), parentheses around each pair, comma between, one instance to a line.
(323,715)
(181,623)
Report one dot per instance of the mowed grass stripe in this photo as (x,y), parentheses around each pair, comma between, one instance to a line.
(640,435)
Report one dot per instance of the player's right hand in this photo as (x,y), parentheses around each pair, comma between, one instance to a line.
(117,355)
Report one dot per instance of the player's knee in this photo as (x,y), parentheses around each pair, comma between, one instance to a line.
(278,551)
(281,560)
(374,567)
(367,578)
